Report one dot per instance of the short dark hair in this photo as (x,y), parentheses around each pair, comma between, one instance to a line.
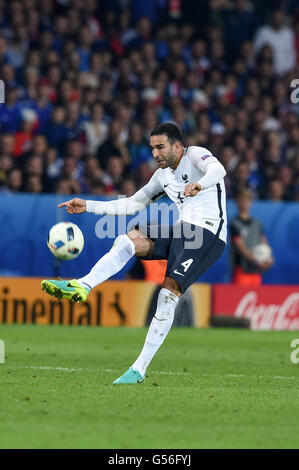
(172,131)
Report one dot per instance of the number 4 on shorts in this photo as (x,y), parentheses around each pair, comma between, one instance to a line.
(187,264)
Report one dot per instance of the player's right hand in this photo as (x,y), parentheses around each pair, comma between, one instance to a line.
(74,206)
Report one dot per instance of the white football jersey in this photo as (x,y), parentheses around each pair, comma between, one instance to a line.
(208,208)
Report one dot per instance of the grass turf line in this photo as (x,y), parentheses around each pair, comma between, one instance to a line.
(215,388)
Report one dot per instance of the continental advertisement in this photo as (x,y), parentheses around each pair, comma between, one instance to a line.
(113,303)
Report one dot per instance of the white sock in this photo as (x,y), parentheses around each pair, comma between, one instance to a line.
(122,251)
(158,330)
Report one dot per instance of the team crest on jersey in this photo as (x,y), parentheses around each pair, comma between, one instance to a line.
(185,178)
(205,157)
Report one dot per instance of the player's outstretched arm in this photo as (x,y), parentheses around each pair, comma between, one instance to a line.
(122,206)
(74,206)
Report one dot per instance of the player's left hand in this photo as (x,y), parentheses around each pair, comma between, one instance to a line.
(192,189)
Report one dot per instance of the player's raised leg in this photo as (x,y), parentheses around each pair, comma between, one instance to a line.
(186,263)
(123,249)
(158,330)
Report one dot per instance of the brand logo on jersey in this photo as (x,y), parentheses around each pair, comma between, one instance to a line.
(205,157)
(209,223)
(185,178)
(165,185)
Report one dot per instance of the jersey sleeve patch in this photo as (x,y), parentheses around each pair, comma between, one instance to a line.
(205,157)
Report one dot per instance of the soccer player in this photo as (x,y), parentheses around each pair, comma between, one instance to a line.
(191,177)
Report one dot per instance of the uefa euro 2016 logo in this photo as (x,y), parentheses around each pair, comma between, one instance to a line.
(2,92)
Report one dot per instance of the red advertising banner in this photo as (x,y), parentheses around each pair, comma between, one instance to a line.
(266,307)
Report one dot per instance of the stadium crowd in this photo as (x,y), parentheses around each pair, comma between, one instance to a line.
(87,80)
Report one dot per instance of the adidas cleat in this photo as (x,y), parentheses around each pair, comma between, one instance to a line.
(132,376)
(70,290)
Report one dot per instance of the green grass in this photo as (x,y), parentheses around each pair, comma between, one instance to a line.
(215,388)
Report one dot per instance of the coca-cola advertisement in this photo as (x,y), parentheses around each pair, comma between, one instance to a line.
(266,307)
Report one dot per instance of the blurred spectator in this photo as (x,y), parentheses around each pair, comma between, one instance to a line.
(143,33)
(127,187)
(286,177)
(23,138)
(138,147)
(275,190)
(6,163)
(113,145)
(152,9)
(246,233)
(93,177)
(281,39)
(34,166)
(68,186)
(53,168)
(96,130)
(292,144)
(239,22)
(33,184)
(56,128)
(241,180)
(143,174)
(114,173)
(39,145)
(10,114)
(7,142)
(70,169)
(14,181)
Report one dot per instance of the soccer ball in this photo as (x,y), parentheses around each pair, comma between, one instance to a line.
(65,240)
(262,252)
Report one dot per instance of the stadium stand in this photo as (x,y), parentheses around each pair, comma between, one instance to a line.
(86,80)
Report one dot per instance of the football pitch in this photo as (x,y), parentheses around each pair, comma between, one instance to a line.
(213,388)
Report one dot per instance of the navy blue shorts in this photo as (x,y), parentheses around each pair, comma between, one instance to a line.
(189,249)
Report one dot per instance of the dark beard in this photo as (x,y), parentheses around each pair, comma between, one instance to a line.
(171,160)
